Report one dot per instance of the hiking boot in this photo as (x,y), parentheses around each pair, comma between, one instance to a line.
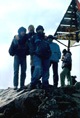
(15,87)
(22,88)
(32,87)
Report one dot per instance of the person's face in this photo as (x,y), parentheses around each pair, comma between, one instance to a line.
(22,33)
(50,39)
(40,31)
(31,29)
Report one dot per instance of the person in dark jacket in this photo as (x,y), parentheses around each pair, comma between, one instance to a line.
(66,67)
(54,59)
(41,65)
(19,49)
(31,33)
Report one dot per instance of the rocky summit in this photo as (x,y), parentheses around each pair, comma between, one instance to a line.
(38,103)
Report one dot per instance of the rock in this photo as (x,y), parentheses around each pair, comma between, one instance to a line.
(2,115)
(38,103)
(77,85)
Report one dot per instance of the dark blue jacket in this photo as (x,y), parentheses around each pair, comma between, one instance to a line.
(34,42)
(30,34)
(40,47)
(19,47)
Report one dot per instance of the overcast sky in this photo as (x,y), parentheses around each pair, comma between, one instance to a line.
(17,13)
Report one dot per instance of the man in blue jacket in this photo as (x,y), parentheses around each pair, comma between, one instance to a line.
(19,49)
(54,59)
(40,61)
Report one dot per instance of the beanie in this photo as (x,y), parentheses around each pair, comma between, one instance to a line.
(21,29)
(39,28)
(64,51)
(50,37)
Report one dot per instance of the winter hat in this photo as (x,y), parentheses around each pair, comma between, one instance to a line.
(39,28)
(64,51)
(21,29)
(50,37)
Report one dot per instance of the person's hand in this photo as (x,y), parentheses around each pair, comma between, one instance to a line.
(62,58)
(16,37)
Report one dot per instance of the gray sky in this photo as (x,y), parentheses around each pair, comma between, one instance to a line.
(17,13)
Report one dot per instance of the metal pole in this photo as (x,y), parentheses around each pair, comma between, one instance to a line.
(68,45)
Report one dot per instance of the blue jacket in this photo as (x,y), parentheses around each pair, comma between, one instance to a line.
(56,53)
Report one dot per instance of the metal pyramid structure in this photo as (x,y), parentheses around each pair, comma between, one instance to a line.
(69,27)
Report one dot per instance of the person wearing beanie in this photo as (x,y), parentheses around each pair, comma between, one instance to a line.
(54,59)
(41,64)
(19,49)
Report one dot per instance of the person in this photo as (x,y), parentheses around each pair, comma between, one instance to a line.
(54,59)
(31,33)
(19,49)
(40,61)
(66,67)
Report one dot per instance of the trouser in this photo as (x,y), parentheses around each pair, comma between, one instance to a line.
(32,70)
(55,72)
(32,66)
(41,70)
(45,73)
(19,61)
(65,73)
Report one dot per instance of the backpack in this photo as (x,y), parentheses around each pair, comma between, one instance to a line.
(43,49)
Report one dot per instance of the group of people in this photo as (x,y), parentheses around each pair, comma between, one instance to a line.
(43,52)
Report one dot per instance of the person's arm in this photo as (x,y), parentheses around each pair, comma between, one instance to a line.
(13,47)
(59,52)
